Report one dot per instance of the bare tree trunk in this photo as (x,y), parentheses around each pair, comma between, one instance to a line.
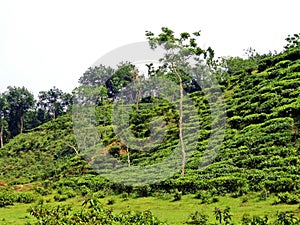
(137,99)
(137,80)
(1,135)
(52,111)
(181,121)
(128,156)
(21,124)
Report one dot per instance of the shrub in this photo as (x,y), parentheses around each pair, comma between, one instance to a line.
(47,184)
(177,195)
(287,198)
(99,194)
(227,184)
(42,191)
(255,220)
(65,183)
(143,191)
(60,198)
(224,216)
(67,191)
(84,190)
(281,185)
(163,195)
(124,196)
(284,218)
(197,218)
(240,192)
(25,197)
(94,214)
(204,196)
(263,194)
(6,199)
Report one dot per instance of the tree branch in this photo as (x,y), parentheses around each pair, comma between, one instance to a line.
(72,146)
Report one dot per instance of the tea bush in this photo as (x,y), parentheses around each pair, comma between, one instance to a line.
(92,213)
(177,195)
(25,197)
(60,198)
(42,191)
(197,218)
(288,198)
(6,199)
(204,196)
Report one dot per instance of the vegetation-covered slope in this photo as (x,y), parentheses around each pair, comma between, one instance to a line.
(261,142)
(260,150)
(38,154)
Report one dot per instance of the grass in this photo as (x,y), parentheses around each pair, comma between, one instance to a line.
(16,214)
(174,212)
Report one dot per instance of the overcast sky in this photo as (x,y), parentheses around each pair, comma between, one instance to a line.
(51,43)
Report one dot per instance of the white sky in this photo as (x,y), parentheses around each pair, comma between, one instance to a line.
(51,43)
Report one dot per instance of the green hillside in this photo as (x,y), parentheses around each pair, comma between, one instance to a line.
(37,155)
(259,153)
(260,147)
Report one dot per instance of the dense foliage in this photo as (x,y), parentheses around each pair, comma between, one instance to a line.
(92,213)
(259,153)
(20,112)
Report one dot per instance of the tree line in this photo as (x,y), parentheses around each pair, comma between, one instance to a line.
(20,111)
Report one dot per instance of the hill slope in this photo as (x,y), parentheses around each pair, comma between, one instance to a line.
(260,149)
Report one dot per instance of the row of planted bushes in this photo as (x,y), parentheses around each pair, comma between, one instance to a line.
(91,213)
(206,191)
(9,198)
(225,217)
(286,189)
(94,213)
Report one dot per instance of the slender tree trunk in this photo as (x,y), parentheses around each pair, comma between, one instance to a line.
(128,156)
(52,111)
(137,79)
(181,121)
(1,135)
(137,99)
(21,124)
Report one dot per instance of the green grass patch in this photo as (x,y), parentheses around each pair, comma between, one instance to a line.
(174,212)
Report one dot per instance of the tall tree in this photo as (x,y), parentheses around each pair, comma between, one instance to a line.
(19,100)
(178,51)
(111,81)
(97,75)
(3,117)
(54,102)
(293,41)
(123,76)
